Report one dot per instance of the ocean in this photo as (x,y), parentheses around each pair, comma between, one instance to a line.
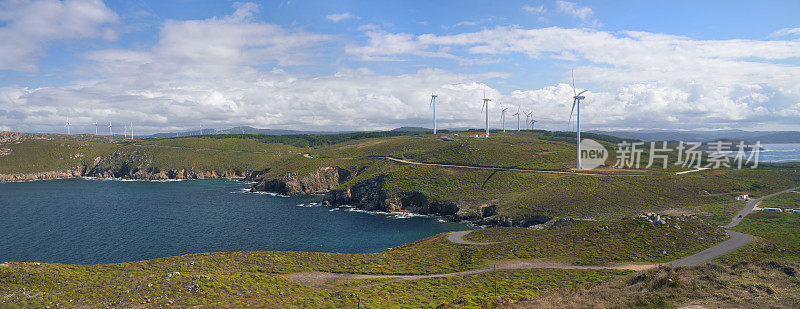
(83,221)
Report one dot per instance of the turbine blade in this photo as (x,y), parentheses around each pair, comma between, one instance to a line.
(571,111)
(573,83)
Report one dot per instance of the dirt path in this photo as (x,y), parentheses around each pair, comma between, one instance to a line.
(455,237)
(491,168)
(334,280)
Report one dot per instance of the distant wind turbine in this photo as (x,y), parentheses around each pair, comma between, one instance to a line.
(486,105)
(527,119)
(109,129)
(577,102)
(68,125)
(131,130)
(532,123)
(433,105)
(517,114)
(503,117)
(201,129)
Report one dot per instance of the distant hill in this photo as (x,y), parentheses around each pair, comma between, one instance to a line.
(245,130)
(412,129)
(765,137)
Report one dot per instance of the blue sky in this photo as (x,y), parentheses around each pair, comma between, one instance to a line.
(327,65)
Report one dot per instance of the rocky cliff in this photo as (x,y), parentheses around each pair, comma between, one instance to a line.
(371,195)
(320,181)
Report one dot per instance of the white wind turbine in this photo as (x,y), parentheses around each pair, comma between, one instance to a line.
(201,129)
(503,117)
(486,106)
(433,105)
(131,130)
(517,114)
(95,128)
(109,129)
(577,102)
(68,125)
(532,123)
(527,119)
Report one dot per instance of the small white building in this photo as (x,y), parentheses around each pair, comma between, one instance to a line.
(742,197)
(479,135)
(773,209)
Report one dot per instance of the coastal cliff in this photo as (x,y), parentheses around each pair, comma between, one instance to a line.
(320,181)
(371,195)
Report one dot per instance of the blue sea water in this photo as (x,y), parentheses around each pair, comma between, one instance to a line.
(81,221)
(775,153)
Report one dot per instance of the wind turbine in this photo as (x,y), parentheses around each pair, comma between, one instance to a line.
(517,114)
(201,129)
(503,117)
(433,105)
(527,119)
(67,126)
(577,102)
(131,130)
(486,105)
(109,129)
(532,123)
(95,128)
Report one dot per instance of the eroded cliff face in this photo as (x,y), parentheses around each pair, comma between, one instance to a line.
(371,195)
(320,181)
(40,175)
(135,166)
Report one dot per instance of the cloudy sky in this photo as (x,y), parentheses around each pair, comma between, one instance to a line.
(366,65)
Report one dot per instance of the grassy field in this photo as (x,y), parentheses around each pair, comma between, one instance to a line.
(785,201)
(41,155)
(251,278)
(43,285)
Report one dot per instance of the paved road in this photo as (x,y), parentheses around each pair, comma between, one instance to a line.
(750,205)
(736,241)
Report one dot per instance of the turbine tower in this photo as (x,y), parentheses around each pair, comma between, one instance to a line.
(201,129)
(109,129)
(95,128)
(503,117)
(517,114)
(486,105)
(532,123)
(131,130)
(67,126)
(577,102)
(433,105)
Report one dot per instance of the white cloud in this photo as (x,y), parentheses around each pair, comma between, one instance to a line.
(534,9)
(31,26)
(213,72)
(339,17)
(786,32)
(574,10)
(465,23)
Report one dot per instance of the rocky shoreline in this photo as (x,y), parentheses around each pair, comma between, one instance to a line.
(370,195)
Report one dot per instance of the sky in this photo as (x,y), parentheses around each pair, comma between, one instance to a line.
(169,66)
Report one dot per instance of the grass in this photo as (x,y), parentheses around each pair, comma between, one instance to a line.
(30,156)
(789,200)
(29,285)
(752,284)
(779,234)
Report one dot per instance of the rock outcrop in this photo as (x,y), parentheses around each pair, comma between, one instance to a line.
(134,165)
(40,175)
(320,181)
